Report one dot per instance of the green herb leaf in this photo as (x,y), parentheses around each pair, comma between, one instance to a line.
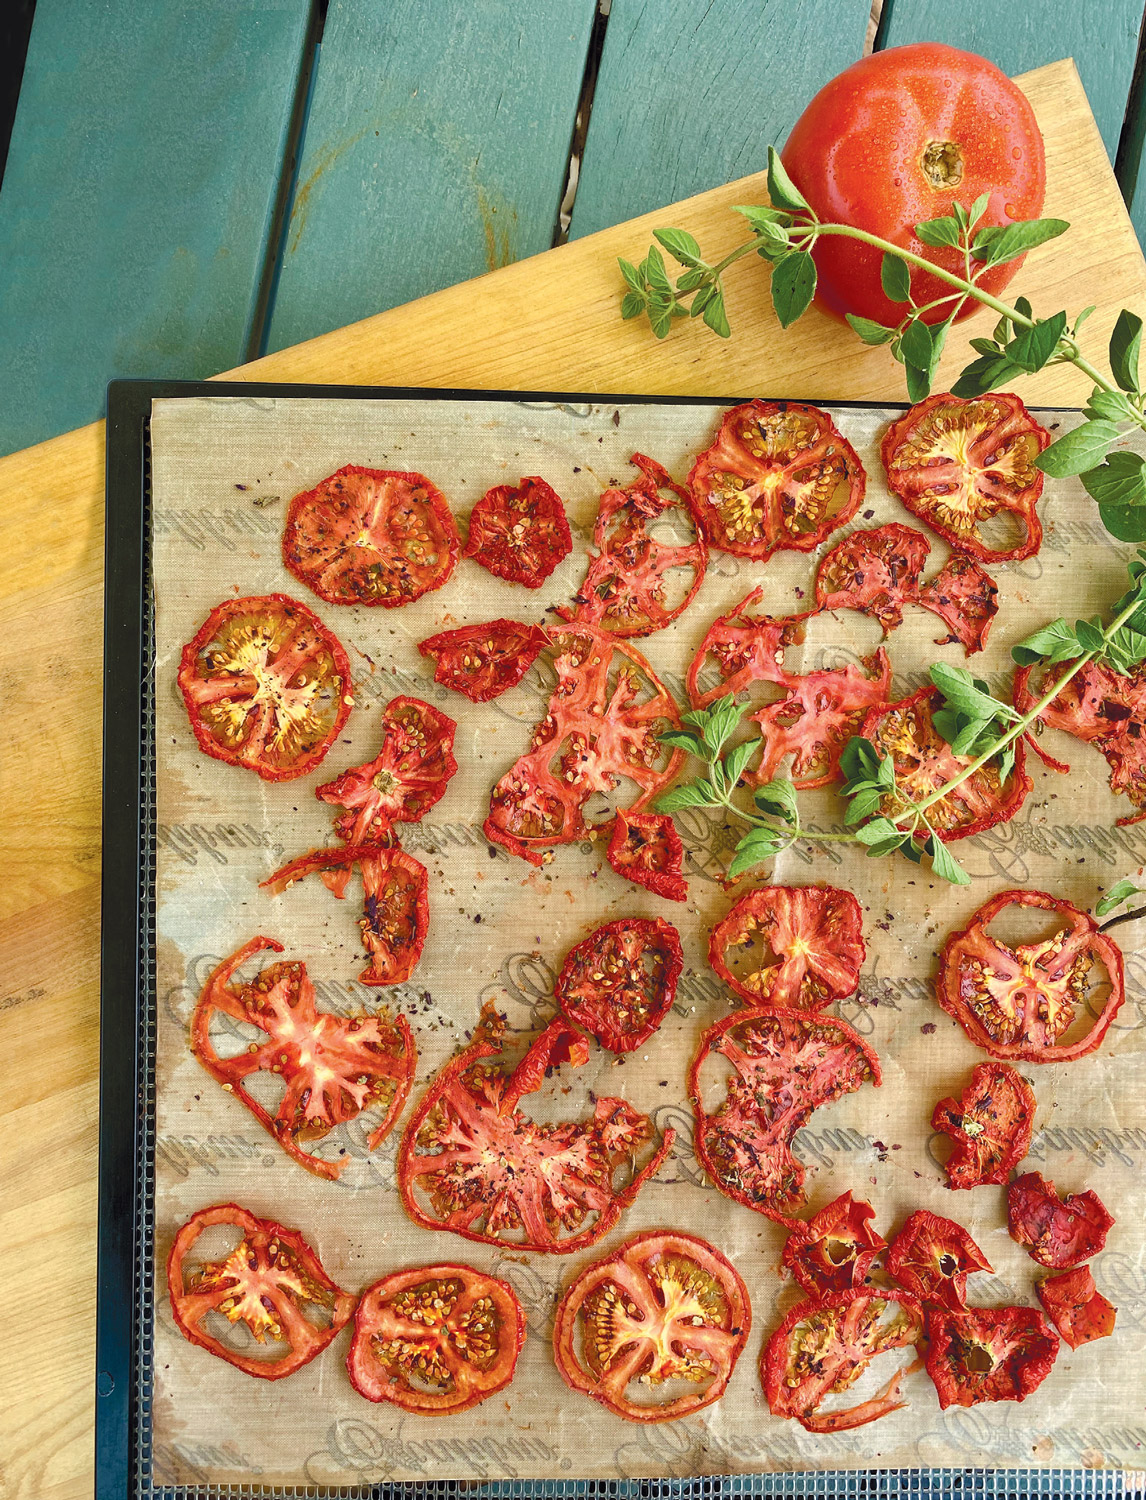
(685,739)
(654,269)
(968,694)
(737,759)
(871,332)
(1126,522)
(1112,406)
(632,305)
(1078,450)
(778,798)
(781,189)
(691,794)
(896,278)
(703,298)
(918,382)
(757,215)
(1053,643)
(680,245)
(755,848)
(878,831)
(1125,346)
(985,374)
(863,804)
(1031,348)
(944,864)
(1089,635)
(986,346)
(1120,481)
(945,231)
(660,320)
(715,316)
(917,345)
(997,244)
(634,278)
(691,279)
(1082,317)
(978,209)
(859,759)
(793,286)
(1115,896)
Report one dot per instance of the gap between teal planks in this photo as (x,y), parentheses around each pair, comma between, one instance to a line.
(435,149)
(137,197)
(692,96)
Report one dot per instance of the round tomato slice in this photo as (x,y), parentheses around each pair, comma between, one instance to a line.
(663,1309)
(484,661)
(957,463)
(619,982)
(780,476)
(988,1354)
(371,536)
(519,532)
(1076,1307)
(797,947)
(1021,1002)
(991,1123)
(437,1339)
(646,849)
(266,685)
(272,1281)
(746,648)
(819,715)
(404,780)
(1058,1232)
(834,1250)
(932,1257)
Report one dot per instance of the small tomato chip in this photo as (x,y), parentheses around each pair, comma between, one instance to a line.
(785,1064)
(796,947)
(266,685)
(646,849)
(823,1347)
(966,599)
(519,532)
(334,1067)
(933,1257)
(991,1123)
(779,476)
(819,715)
(1057,1232)
(484,661)
(956,464)
(1025,1001)
(988,1354)
(664,1310)
(619,982)
(833,1252)
(472,1162)
(371,536)
(271,1281)
(1076,1307)
(744,648)
(437,1339)
(403,781)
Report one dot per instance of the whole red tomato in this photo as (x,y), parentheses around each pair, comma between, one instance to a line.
(894,140)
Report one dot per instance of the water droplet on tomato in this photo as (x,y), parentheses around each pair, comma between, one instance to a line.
(899,182)
(1016,152)
(1009,210)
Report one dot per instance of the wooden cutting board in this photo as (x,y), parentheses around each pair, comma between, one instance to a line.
(550,323)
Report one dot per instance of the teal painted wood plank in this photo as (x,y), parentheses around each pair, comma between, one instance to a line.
(690,96)
(436,148)
(136,201)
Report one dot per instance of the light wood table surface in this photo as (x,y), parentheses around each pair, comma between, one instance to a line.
(550,323)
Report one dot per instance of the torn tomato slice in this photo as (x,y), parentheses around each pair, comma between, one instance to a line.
(876,572)
(779,475)
(403,781)
(619,983)
(1076,1307)
(272,1282)
(1021,1002)
(932,1257)
(819,715)
(823,1347)
(988,1354)
(484,661)
(266,685)
(436,1339)
(663,1310)
(646,849)
(833,1252)
(991,1123)
(371,536)
(957,463)
(965,597)
(519,532)
(785,1064)
(1058,1232)
(796,947)
(333,1067)
(745,648)
(471,1162)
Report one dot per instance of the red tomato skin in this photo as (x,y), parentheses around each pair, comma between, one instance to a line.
(856,155)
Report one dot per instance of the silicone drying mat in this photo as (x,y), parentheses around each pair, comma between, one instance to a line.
(199,478)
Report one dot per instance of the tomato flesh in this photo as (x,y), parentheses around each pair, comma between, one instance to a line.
(646,849)
(746,648)
(988,1354)
(991,1123)
(1058,1232)
(519,532)
(834,1250)
(408,775)
(1076,1307)
(932,1257)
(620,982)
(819,715)
(484,661)
(805,942)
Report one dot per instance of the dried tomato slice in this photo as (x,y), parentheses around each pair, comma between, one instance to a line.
(834,1250)
(779,475)
(437,1339)
(646,849)
(933,1257)
(371,536)
(519,532)
(484,661)
(266,685)
(472,1162)
(804,946)
(1076,1307)
(269,1282)
(602,726)
(746,648)
(664,1308)
(966,599)
(987,1354)
(403,781)
(1058,1232)
(334,1067)
(619,982)
(820,714)
(786,1064)
(824,1346)
(1021,1001)
(955,463)
(991,1123)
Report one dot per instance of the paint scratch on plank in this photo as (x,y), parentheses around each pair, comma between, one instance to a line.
(323,163)
(499,234)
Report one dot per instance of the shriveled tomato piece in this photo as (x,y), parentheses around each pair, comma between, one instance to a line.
(834,1250)
(334,1067)
(956,463)
(663,1309)
(646,849)
(619,982)
(268,1282)
(266,685)
(797,947)
(519,532)
(1076,1307)
(403,781)
(371,536)
(484,661)
(991,1123)
(965,598)
(785,1064)
(778,476)
(472,1162)
(1058,1232)
(745,648)
(819,715)
(824,1346)
(988,1354)
(932,1257)
(1020,1001)
(876,572)
(436,1339)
